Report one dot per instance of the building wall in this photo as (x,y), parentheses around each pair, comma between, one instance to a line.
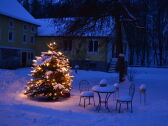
(79,53)
(17,44)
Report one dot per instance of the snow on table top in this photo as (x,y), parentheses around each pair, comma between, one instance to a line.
(13,9)
(108,88)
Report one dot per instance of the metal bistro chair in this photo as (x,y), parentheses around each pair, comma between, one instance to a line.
(126,99)
(84,87)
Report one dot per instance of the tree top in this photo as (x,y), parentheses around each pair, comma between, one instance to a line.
(52,46)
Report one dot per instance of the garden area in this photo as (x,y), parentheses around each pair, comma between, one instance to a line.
(17,109)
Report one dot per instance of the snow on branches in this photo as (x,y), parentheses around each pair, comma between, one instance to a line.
(50,75)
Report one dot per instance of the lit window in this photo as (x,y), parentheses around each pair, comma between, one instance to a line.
(10,36)
(93,46)
(67,45)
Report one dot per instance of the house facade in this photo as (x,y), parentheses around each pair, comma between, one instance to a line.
(18,30)
(87,52)
(22,37)
(90,50)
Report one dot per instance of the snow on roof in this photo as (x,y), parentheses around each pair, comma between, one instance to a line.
(59,27)
(44,1)
(15,10)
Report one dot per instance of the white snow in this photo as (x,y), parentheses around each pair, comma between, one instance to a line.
(124,98)
(59,86)
(17,110)
(87,93)
(103,81)
(48,73)
(13,9)
(108,88)
(142,86)
(116,85)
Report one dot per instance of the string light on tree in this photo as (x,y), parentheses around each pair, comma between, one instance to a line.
(51,75)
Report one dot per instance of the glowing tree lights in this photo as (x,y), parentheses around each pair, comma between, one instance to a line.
(50,75)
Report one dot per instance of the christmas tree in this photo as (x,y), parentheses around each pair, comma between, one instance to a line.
(50,75)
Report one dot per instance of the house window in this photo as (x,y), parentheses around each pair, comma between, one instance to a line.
(33,29)
(30,56)
(93,46)
(10,36)
(0,34)
(25,27)
(24,38)
(10,24)
(67,45)
(32,39)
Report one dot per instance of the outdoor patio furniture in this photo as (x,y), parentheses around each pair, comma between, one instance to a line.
(117,87)
(142,91)
(107,90)
(126,99)
(85,92)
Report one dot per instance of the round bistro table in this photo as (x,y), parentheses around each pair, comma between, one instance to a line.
(107,90)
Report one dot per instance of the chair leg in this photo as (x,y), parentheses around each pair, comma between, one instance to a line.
(145,98)
(93,101)
(127,105)
(89,100)
(140,97)
(84,102)
(80,101)
(119,108)
(114,96)
(131,107)
(116,105)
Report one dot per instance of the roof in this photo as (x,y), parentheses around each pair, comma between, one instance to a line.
(13,9)
(59,27)
(44,1)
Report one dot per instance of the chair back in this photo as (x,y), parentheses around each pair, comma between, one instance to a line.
(84,85)
(132,90)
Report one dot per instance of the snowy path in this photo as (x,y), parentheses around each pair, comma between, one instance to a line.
(17,110)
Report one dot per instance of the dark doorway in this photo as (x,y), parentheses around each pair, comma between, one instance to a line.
(114,51)
(24,58)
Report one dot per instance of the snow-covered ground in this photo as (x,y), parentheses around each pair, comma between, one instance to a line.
(17,110)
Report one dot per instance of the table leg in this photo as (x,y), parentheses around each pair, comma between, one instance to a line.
(106,101)
(89,101)
(99,105)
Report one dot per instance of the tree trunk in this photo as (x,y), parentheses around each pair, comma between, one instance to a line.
(119,48)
